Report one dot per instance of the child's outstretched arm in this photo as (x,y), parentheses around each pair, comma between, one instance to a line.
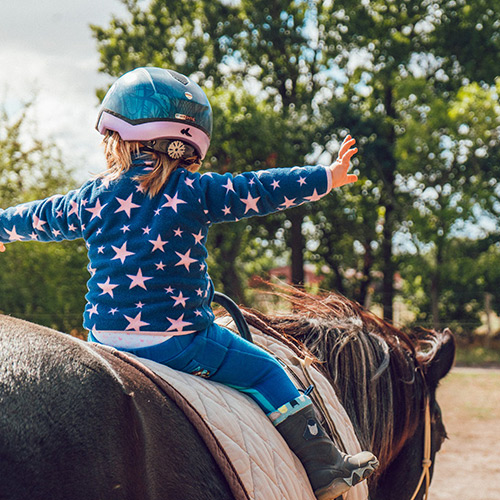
(53,219)
(228,198)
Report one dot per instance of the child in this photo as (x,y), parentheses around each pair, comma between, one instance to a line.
(145,222)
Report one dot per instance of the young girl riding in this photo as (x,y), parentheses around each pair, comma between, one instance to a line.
(145,222)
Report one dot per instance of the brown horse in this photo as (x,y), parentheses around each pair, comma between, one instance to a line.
(77,425)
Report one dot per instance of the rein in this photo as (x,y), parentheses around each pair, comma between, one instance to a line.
(426,462)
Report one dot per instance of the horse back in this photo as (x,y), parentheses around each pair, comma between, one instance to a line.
(75,424)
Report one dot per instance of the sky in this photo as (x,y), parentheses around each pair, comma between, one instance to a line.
(47,50)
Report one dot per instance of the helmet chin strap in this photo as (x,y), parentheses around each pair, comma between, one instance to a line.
(174,148)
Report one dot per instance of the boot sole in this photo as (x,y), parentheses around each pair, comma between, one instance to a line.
(342,484)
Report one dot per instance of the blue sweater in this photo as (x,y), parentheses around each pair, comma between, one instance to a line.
(147,256)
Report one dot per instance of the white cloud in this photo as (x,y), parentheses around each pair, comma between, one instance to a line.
(47,49)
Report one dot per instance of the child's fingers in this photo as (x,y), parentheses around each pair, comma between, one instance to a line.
(2,247)
(346,144)
(346,157)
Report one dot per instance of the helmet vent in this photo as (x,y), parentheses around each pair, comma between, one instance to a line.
(178,77)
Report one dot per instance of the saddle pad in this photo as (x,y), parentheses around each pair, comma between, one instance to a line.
(265,464)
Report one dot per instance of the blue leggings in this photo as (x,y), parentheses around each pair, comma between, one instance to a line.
(222,356)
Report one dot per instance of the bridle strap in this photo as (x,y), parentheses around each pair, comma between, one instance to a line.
(426,462)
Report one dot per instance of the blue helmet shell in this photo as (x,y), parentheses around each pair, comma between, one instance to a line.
(152,103)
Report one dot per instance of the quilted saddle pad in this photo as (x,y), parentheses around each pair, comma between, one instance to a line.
(267,468)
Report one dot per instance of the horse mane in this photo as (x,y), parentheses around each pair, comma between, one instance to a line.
(372,365)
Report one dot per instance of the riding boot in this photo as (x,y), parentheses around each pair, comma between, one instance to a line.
(330,472)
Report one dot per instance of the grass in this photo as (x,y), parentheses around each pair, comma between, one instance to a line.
(476,355)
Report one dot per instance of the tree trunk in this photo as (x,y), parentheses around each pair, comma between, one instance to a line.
(388,197)
(435,301)
(387,263)
(436,287)
(365,280)
(297,245)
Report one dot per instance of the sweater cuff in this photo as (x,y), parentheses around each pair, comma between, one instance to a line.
(329,177)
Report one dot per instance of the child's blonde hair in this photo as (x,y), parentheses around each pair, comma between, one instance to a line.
(118,154)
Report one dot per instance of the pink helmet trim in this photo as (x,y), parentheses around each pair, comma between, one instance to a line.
(155,130)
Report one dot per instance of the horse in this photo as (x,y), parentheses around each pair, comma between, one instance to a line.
(76,424)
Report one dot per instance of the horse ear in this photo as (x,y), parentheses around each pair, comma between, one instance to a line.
(441,362)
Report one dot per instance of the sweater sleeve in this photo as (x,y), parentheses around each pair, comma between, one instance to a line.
(229,198)
(52,219)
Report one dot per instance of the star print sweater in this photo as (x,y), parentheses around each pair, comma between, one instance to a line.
(147,256)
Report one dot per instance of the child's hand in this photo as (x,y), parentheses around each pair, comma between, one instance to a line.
(340,166)
(2,247)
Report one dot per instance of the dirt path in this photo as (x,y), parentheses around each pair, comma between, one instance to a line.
(468,466)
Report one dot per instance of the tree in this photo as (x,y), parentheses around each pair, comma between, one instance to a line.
(41,282)
(450,153)
(281,49)
(385,46)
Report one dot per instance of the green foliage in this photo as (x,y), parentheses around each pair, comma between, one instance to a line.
(412,80)
(41,282)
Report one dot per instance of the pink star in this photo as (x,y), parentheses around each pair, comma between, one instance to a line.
(126,205)
(178,232)
(72,227)
(135,323)
(160,266)
(158,244)
(250,203)
(38,223)
(229,186)
(74,208)
(96,211)
(199,292)
(138,279)
(169,290)
(288,203)
(180,299)
(107,287)
(226,210)
(178,324)
(93,310)
(189,182)
(314,197)
(198,238)
(186,260)
(121,253)
(113,311)
(146,230)
(34,236)
(20,209)
(124,228)
(173,202)
(302,181)
(198,313)
(139,305)
(275,184)
(13,236)
(56,232)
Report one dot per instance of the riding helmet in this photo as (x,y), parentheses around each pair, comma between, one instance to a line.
(164,109)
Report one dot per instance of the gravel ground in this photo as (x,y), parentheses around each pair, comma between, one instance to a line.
(468,465)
